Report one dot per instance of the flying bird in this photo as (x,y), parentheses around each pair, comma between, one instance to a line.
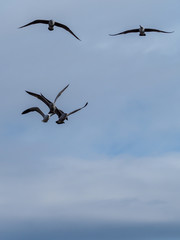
(51,25)
(64,116)
(36,109)
(50,104)
(141,31)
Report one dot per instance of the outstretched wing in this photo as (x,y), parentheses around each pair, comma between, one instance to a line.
(40,97)
(125,32)
(34,109)
(77,109)
(66,28)
(59,94)
(155,30)
(35,22)
(45,99)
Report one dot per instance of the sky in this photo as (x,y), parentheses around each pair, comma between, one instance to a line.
(112,170)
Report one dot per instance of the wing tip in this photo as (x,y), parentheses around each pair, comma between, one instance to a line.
(76,37)
(28,92)
(115,34)
(168,32)
(24,112)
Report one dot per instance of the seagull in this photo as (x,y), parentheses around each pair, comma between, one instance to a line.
(36,109)
(64,116)
(141,31)
(50,104)
(51,25)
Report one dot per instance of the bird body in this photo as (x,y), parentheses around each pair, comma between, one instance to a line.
(62,117)
(141,31)
(46,118)
(51,25)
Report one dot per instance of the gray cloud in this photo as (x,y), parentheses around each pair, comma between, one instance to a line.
(116,189)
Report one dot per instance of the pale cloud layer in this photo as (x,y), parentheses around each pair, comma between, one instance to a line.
(117,189)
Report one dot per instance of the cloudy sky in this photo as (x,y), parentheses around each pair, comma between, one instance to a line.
(113,170)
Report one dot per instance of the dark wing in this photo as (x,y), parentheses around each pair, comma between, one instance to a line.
(59,94)
(125,32)
(77,109)
(35,22)
(45,99)
(66,28)
(40,97)
(155,30)
(58,112)
(36,109)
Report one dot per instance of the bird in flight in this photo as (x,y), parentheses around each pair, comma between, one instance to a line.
(51,25)
(141,31)
(38,110)
(64,116)
(51,105)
